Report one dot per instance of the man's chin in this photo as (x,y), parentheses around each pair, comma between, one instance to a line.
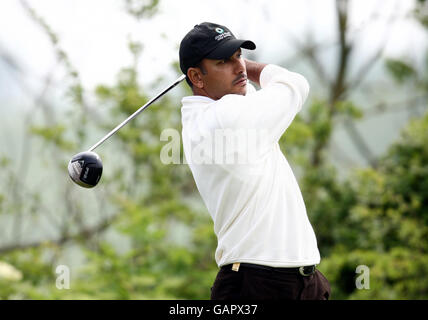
(241,91)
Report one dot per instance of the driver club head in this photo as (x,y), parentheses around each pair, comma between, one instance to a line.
(85,169)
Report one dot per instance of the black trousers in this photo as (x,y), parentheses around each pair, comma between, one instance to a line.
(272,284)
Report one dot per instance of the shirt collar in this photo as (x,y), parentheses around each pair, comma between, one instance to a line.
(196,99)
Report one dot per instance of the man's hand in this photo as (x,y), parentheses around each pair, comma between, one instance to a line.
(253,70)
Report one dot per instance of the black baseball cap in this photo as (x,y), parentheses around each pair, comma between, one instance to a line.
(211,41)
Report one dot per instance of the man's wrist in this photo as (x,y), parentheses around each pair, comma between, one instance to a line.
(254,69)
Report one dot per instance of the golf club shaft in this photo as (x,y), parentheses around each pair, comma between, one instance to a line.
(137,112)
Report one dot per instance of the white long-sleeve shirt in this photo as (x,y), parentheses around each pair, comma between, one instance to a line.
(231,146)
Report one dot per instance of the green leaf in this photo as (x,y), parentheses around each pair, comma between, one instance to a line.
(400,70)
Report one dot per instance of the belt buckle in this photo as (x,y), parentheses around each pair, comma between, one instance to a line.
(307,274)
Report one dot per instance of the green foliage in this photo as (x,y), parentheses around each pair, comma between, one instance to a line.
(4,161)
(38,278)
(319,120)
(307,131)
(387,224)
(53,134)
(421,12)
(397,194)
(397,274)
(376,217)
(400,70)
(348,108)
(142,8)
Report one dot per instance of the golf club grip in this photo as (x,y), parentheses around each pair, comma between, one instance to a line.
(176,82)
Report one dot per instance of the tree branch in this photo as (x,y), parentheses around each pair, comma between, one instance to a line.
(365,69)
(339,86)
(395,106)
(309,50)
(360,143)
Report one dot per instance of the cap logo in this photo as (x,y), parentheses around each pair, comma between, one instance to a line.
(222,34)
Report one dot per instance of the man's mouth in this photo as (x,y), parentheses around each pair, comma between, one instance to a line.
(240,81)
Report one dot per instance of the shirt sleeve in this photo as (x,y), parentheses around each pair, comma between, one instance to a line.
(270,109)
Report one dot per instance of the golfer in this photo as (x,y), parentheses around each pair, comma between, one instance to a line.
(267,248)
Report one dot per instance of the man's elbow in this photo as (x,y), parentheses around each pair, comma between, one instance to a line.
(304,88)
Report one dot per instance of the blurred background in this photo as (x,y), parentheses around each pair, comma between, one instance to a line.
(70,71)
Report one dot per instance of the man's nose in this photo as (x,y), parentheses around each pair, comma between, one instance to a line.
(239,65)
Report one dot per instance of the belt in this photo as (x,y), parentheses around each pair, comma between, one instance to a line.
(304,270)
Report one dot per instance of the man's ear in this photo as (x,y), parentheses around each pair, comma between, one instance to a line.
(195,76)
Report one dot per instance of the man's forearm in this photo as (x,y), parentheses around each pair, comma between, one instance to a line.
(253,70)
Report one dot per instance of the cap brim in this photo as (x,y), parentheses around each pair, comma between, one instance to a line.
(228,48)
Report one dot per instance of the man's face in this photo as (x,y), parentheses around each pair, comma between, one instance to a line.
(221,77)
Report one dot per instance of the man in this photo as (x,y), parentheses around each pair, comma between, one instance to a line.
(266,245)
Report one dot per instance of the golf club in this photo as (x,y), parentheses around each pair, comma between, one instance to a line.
(85,168)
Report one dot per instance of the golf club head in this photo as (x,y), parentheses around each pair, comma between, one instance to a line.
(85,169)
